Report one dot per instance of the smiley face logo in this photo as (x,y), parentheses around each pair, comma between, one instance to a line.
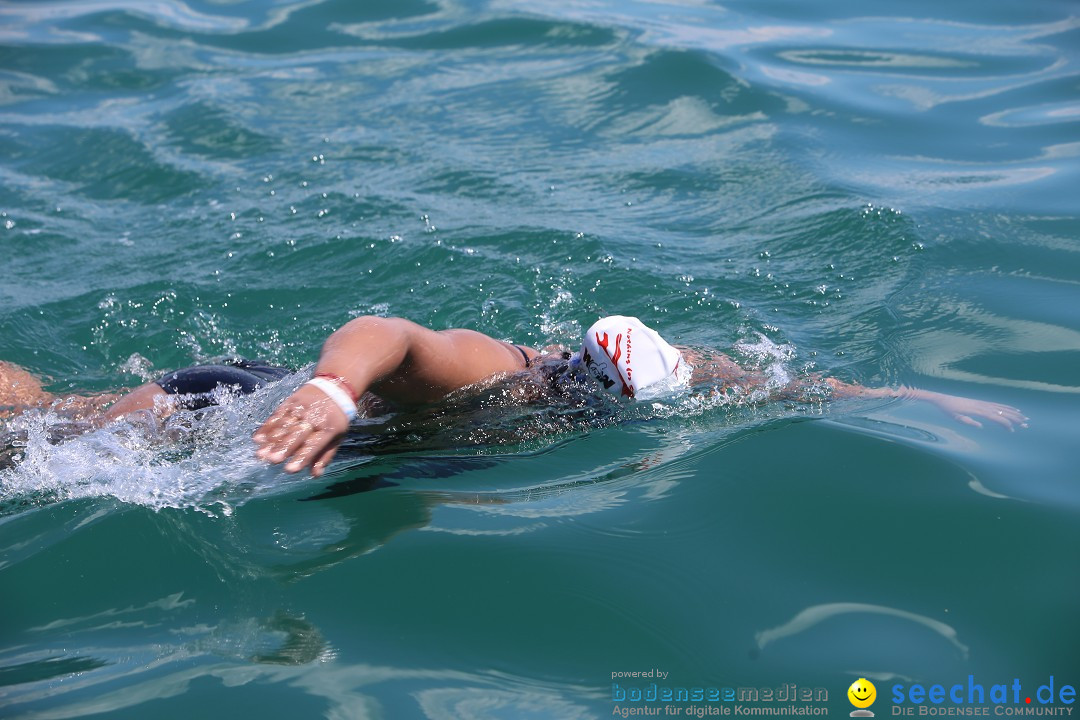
(862,694)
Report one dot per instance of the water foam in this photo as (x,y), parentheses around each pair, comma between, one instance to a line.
(194,459)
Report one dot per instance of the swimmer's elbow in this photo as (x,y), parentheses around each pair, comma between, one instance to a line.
(371,337)
(368,322)
(373,327)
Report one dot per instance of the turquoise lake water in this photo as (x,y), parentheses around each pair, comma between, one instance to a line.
(886,193)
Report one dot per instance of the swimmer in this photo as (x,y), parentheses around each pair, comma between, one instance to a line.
(406,364)
(373,363)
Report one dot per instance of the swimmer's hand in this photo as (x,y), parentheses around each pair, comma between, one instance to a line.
(305,430)
(969,410)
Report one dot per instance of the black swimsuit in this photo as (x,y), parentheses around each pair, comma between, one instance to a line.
(197,384)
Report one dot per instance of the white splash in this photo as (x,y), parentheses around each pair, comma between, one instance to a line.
(195,459)
(773,360)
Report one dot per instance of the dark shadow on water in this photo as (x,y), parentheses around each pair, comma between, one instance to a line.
(38,670)
(418,467)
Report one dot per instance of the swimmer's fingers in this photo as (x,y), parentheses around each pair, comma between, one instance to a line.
(1004,415)
(1012,416)
(311,451)
(975,412)
(1001,419)
(292,409)
(319,466)
(284,444)
(273,424)
(303,445)
(278,421)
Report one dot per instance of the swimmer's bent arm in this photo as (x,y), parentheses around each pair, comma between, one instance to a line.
(396,359)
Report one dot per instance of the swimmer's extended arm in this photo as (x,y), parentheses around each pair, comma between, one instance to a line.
(720,369)
(961,409)
(394,358)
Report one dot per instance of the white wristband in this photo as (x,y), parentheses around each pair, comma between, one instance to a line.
(335,393)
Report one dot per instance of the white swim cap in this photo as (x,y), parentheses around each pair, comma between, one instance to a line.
(626,356)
